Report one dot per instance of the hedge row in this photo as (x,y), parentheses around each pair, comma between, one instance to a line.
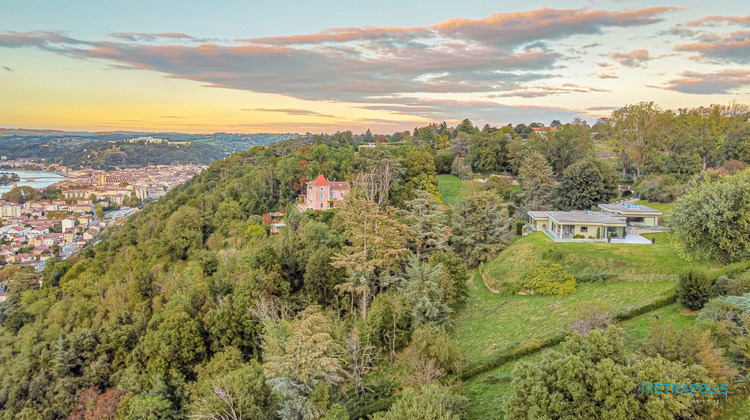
(509,355)
(364,412)
(633,311)
(515,353)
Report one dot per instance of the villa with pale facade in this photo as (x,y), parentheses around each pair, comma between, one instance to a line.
(619,222)
(322,194)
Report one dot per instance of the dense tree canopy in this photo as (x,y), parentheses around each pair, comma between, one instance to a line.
(587,183)
(712,218)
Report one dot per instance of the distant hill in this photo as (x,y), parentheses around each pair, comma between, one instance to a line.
(112,150)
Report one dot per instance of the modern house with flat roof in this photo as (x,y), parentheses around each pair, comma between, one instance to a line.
(635,215)
(563,225)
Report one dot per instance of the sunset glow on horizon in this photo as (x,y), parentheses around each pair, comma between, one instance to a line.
(387,66)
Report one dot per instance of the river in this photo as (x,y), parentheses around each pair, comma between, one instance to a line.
(32,179)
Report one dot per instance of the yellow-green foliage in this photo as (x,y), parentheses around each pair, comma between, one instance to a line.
(549,278)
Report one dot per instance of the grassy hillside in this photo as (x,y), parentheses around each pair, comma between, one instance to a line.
(452,188)
(487,391)
(586,259)
(491,323)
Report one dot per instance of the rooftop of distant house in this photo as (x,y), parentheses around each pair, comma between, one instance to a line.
(627,207)
(321,181)
(578,216)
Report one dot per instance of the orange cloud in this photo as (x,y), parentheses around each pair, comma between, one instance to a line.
(715,20)
(631,59)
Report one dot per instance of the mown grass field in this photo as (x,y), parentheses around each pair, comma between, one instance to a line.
(452,188)
(487,391)
(627,261)
(491,322)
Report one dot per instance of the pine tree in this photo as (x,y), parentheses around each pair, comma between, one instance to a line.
(303,350)
(377,243)
(477,224)
(429,233)
(537,181)
(423,295)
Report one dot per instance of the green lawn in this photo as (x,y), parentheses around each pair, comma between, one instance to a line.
(491,322)
(626,261)
(487,391)
(452,188)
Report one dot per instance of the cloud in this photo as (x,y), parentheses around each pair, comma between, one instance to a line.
(6,68)
(716,20)
(507,29)
(601,108)
(731,47)
(476,110)
(631,59)
(710,83)
(44,40)
(517,27)
(290,111)
(605,76)
(595,44)
(542,91)
(158,37)
(494,55)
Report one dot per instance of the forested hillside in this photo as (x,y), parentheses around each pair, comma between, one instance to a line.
(192,293)
(113,150)
(193,307)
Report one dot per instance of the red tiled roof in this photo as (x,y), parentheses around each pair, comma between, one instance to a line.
(340,185)
(321,181)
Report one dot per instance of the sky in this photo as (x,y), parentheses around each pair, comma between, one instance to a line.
(330,65)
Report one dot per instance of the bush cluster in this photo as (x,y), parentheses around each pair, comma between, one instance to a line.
(732,286)
(693,290)
(549,278)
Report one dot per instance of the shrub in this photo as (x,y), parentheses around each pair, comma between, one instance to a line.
(430,401)
(594,277)
(735,269)
(693,290)
(626,193)
(552,255)
(590,316)
(598,233)
(519,228)
(591,237)
(731,286)
(549,279)
(438,344)
(661,188)
(579,236)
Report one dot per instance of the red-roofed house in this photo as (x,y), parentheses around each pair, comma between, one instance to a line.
(323,194)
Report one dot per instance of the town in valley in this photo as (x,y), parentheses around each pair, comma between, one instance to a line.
(64,217)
